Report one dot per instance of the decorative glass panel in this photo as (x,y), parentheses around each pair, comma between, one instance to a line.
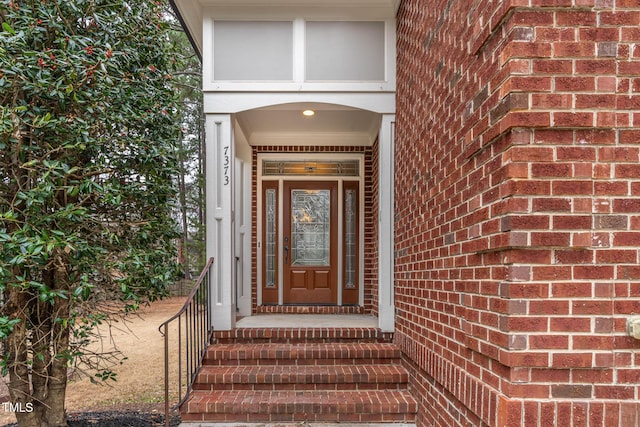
(304,167)
(271,236)
(350,238)
(310,227)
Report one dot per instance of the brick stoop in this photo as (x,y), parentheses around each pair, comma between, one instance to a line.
(297,335)
(320,375)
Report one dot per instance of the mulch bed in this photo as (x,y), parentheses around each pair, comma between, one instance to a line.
(117,419)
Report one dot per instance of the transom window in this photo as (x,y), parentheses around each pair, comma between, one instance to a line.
(306,168)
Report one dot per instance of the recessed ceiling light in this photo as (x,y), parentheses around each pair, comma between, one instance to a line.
(308,113)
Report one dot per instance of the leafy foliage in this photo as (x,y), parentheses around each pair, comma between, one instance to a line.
(88,166)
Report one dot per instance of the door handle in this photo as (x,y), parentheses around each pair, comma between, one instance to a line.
(286,254)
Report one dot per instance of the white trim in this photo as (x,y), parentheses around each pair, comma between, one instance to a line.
(281,179)
(220,182)
(390,53)
(243,218)
(340,241)
(386,302)
(341,10)
(298,86)
(342,139)
(207,53)
(298,49)
(377,102)
(243,236)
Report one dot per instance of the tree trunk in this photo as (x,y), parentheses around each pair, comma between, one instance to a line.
(40,347)
(17,346)
(38,397)
(56,415)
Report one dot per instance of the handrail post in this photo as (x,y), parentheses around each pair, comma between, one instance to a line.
(166,376)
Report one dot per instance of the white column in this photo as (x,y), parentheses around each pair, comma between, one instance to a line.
(386,307)
(243,233)
(220,217)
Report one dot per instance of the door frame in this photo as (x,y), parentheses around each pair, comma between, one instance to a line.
(280,209)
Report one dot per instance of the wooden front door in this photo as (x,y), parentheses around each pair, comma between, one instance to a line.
(310,242)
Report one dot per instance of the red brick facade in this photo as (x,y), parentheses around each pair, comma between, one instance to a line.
(371,246)
(518,210)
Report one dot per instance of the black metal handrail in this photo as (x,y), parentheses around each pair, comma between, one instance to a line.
(194,327)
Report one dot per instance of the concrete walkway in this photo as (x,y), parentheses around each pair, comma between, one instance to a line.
(308,321)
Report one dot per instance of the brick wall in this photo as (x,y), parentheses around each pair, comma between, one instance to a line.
(371,220)
(370,214)
(518,210)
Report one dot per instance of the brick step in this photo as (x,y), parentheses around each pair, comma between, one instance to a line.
(309,335)
(294,406)
(302,354)
(311,377)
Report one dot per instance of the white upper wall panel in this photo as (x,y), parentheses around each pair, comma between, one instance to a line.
(253,50)
(344,51)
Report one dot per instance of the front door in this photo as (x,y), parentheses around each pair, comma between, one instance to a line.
(310,242)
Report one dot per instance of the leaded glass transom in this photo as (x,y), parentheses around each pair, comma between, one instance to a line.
(309,168)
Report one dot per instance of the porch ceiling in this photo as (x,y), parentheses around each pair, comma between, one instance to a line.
(330,125)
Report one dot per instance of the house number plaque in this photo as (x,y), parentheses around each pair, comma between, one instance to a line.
(225,164)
